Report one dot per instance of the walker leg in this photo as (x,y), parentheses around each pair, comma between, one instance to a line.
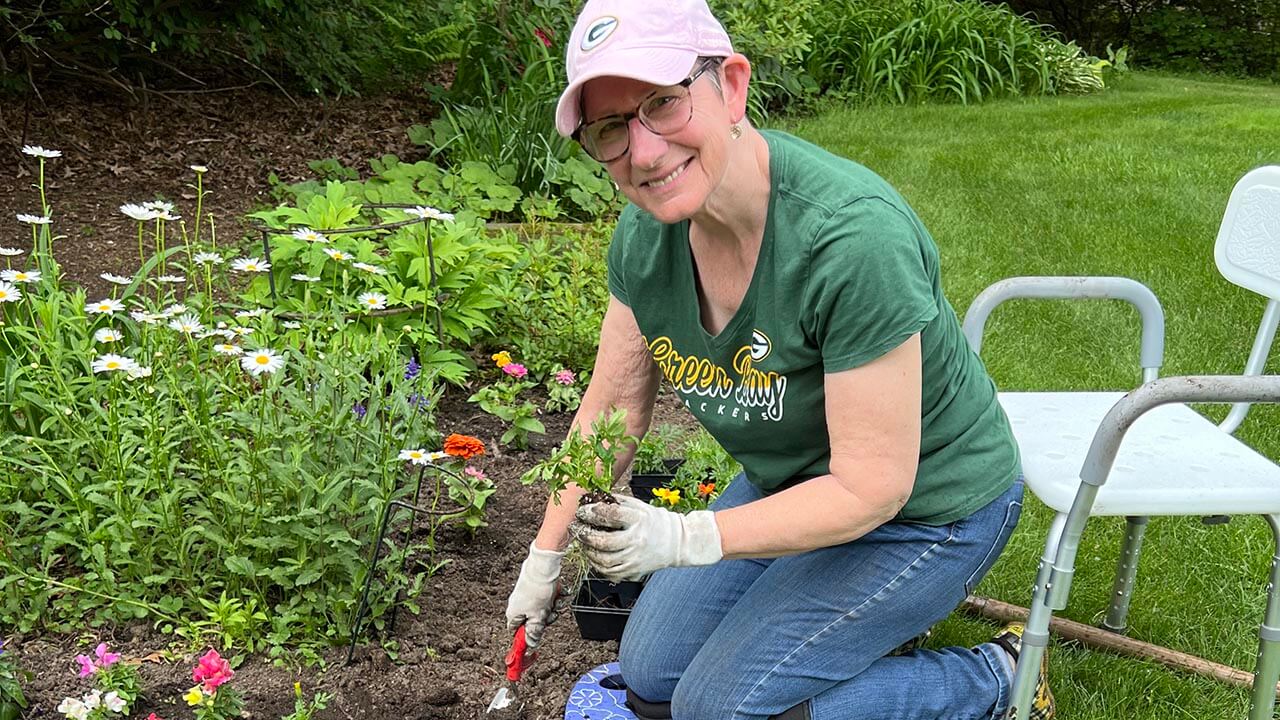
(1267,671)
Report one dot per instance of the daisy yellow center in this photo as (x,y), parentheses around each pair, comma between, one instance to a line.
(4,294)
(415,455)
(20,276)
(262,360)
(372,301)
(112,365)
(104,307)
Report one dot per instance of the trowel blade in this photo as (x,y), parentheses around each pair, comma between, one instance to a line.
(502,699)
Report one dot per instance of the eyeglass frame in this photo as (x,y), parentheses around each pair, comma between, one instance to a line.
(705,65)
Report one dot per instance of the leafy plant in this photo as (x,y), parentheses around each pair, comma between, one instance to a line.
(586,461)
(11,679)
(705,473)
(656,447)
(306,710)
(564,394)
(502,400)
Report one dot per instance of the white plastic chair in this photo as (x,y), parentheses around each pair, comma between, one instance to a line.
(1172,461)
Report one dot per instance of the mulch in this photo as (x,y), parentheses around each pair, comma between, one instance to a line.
(450,657)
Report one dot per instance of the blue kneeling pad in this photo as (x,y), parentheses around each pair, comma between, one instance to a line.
(599,695)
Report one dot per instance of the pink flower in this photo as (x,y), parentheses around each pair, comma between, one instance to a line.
(543,35)
(515,370)
(565,377)
(87,667)
(212,671)
(105,658)
(476,473)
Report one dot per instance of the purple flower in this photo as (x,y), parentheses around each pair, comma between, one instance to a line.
(418,400)
(412,369)
(565,377)
(515,370)
(360,410)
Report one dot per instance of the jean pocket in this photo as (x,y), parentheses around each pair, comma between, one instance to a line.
(1011,514)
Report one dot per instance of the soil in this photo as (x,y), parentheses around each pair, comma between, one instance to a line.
(450,657)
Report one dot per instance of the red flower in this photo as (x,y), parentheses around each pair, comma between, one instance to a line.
(544,36)
(154,716)
(463,446)
(212,671)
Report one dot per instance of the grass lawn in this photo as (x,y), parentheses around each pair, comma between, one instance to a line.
(1131,182)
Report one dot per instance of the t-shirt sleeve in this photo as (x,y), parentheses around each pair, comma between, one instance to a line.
(616,261)
(870,284)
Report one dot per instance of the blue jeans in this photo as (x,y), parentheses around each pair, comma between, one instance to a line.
(747,639)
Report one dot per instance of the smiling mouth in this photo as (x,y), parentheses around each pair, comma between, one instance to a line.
(669,178)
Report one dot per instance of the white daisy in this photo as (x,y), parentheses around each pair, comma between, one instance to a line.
(369,268)
(139,371)
(143,316)
(9,293)
(171,279)
(291,325)
(159,206)
(302,277)
(253,264)
(116,279)
(415,456)
(169,217)
(228,349)
(107,306)
(34,219)
(187,324)
(10,252)
(110,362)
(310,235)
(20,276)
(336,254)
(206,258)
(174,309)
(372,301)
(257,312)
(261,361)
(37,151)
(429,213)
(200,169)
(138,212)
(106,335)
(224,333)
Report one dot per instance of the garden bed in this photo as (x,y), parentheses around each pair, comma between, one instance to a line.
(448,659)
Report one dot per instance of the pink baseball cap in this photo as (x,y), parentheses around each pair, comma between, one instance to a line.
(654,41)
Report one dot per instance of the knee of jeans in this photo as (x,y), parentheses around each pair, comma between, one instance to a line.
(697,698)
(644,669)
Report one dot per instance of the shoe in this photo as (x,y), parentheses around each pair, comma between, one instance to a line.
(1010,639)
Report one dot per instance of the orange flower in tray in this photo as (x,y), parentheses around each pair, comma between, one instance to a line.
(463,446)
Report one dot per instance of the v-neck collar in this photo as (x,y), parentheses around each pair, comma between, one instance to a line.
(746,309)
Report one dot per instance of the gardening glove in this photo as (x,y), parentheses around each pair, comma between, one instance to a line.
(533,601)
(632,538)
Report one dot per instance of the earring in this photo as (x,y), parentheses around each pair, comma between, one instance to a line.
(735,131)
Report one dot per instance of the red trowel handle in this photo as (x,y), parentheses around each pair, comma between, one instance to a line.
(519,659)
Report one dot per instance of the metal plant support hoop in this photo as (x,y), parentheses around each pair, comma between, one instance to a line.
(383,527)
(380,229)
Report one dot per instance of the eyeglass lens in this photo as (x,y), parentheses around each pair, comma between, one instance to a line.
(664,112)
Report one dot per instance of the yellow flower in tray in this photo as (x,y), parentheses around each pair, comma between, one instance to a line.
(667,495)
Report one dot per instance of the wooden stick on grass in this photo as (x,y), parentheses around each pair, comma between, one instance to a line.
(1121,645)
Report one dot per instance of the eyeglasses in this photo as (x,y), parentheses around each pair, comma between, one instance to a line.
(663,111)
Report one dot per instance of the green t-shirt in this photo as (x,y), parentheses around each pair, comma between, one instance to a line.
(846,272)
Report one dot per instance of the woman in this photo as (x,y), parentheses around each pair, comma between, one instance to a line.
(793,300)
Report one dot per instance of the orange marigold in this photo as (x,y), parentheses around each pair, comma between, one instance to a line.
(463,446)
(705,489)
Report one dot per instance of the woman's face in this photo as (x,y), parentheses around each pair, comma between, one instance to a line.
(668,176)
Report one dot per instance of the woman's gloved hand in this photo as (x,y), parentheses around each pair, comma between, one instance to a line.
(533,601)
(631,539)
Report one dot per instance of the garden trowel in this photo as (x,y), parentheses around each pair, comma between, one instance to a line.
(504,702)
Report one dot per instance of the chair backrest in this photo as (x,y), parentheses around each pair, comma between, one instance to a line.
(1248,247)
(1248,254)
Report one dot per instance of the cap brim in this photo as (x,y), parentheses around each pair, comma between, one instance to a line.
(657,66)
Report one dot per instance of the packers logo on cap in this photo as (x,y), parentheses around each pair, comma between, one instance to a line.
(598,31)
